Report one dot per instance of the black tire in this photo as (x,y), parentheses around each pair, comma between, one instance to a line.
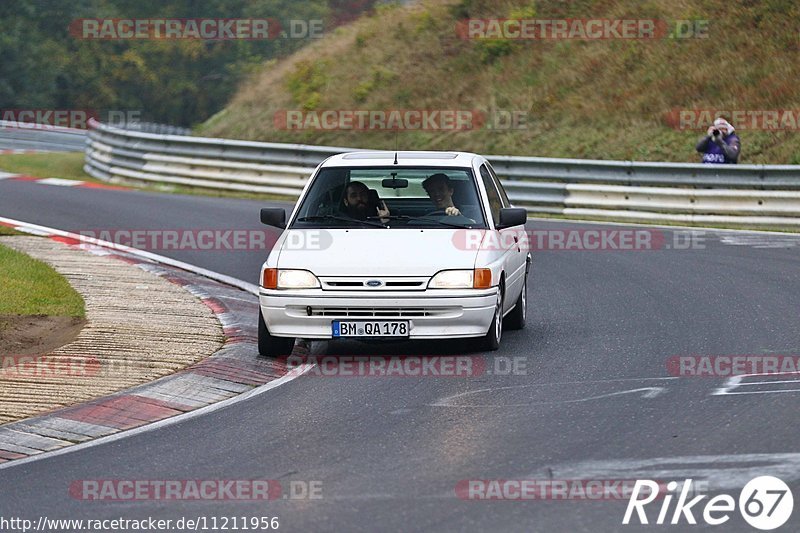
(491,341)
(516,318)
(270,346)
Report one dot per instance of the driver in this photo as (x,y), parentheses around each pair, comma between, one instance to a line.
(357,204)
(440,190)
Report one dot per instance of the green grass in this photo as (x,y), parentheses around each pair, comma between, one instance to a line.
(31,287)
(5,230)
(66,165)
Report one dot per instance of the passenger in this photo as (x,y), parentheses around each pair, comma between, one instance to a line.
(440,190)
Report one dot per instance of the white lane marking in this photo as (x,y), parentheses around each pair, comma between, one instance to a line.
(648,392)
(775,391)
(760,241)
(216,276)
(796,382)
(610,380)
(6,175)
(297,372)
(60,182)
(720,471)
(31,231)
(738,382)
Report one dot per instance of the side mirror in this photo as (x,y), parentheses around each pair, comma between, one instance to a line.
(273,216)
(512,216)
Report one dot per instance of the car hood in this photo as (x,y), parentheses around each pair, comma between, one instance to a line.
(376,252)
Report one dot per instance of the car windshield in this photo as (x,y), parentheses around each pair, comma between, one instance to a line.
(392,197)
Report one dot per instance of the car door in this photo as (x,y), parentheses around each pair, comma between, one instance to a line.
(514,257)
(523,242)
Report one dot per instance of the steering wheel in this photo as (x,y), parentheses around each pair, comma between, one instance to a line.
(437,213)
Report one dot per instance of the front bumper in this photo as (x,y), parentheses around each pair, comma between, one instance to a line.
(431,313)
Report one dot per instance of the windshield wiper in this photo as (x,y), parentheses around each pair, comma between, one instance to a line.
(314,218)
(425,218)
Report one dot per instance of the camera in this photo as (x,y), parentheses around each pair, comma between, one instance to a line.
(715,133)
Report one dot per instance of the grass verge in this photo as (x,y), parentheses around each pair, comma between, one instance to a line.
(66,165)
(5,230)
(31,287)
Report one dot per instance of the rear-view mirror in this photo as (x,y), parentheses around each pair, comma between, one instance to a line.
(394,183)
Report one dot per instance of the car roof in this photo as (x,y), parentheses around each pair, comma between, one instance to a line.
(404,158)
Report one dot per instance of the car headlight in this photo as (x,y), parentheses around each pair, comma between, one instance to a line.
(479,278)
(274,278)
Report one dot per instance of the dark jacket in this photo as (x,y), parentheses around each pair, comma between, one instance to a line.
(725,150)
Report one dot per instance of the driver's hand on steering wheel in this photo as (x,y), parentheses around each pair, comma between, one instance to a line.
(452,211)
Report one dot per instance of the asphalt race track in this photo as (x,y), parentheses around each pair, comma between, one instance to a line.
(592,396)
(13,138)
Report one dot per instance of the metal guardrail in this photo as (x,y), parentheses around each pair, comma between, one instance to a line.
(155,127)
(755,196)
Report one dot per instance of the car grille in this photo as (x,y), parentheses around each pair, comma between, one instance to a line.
(386,284)
(383,312)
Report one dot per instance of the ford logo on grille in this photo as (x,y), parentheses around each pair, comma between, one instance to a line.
(374,283)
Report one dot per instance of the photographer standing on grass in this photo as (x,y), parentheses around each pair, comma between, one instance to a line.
(720,145)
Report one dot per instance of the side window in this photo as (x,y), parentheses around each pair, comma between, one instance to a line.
(503,195)
(491,193)
(325,195)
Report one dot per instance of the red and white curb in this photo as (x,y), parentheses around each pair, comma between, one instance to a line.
(233,374)
(60,182)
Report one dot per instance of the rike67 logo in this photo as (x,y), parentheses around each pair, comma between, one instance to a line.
(765,503)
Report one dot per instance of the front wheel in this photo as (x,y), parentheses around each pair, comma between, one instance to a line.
(491,341)
(269,345)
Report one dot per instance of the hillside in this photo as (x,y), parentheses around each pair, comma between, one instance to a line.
(605,99)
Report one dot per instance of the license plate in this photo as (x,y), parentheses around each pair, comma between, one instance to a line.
(370,328)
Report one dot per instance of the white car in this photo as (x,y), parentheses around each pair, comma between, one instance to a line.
(403,245)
